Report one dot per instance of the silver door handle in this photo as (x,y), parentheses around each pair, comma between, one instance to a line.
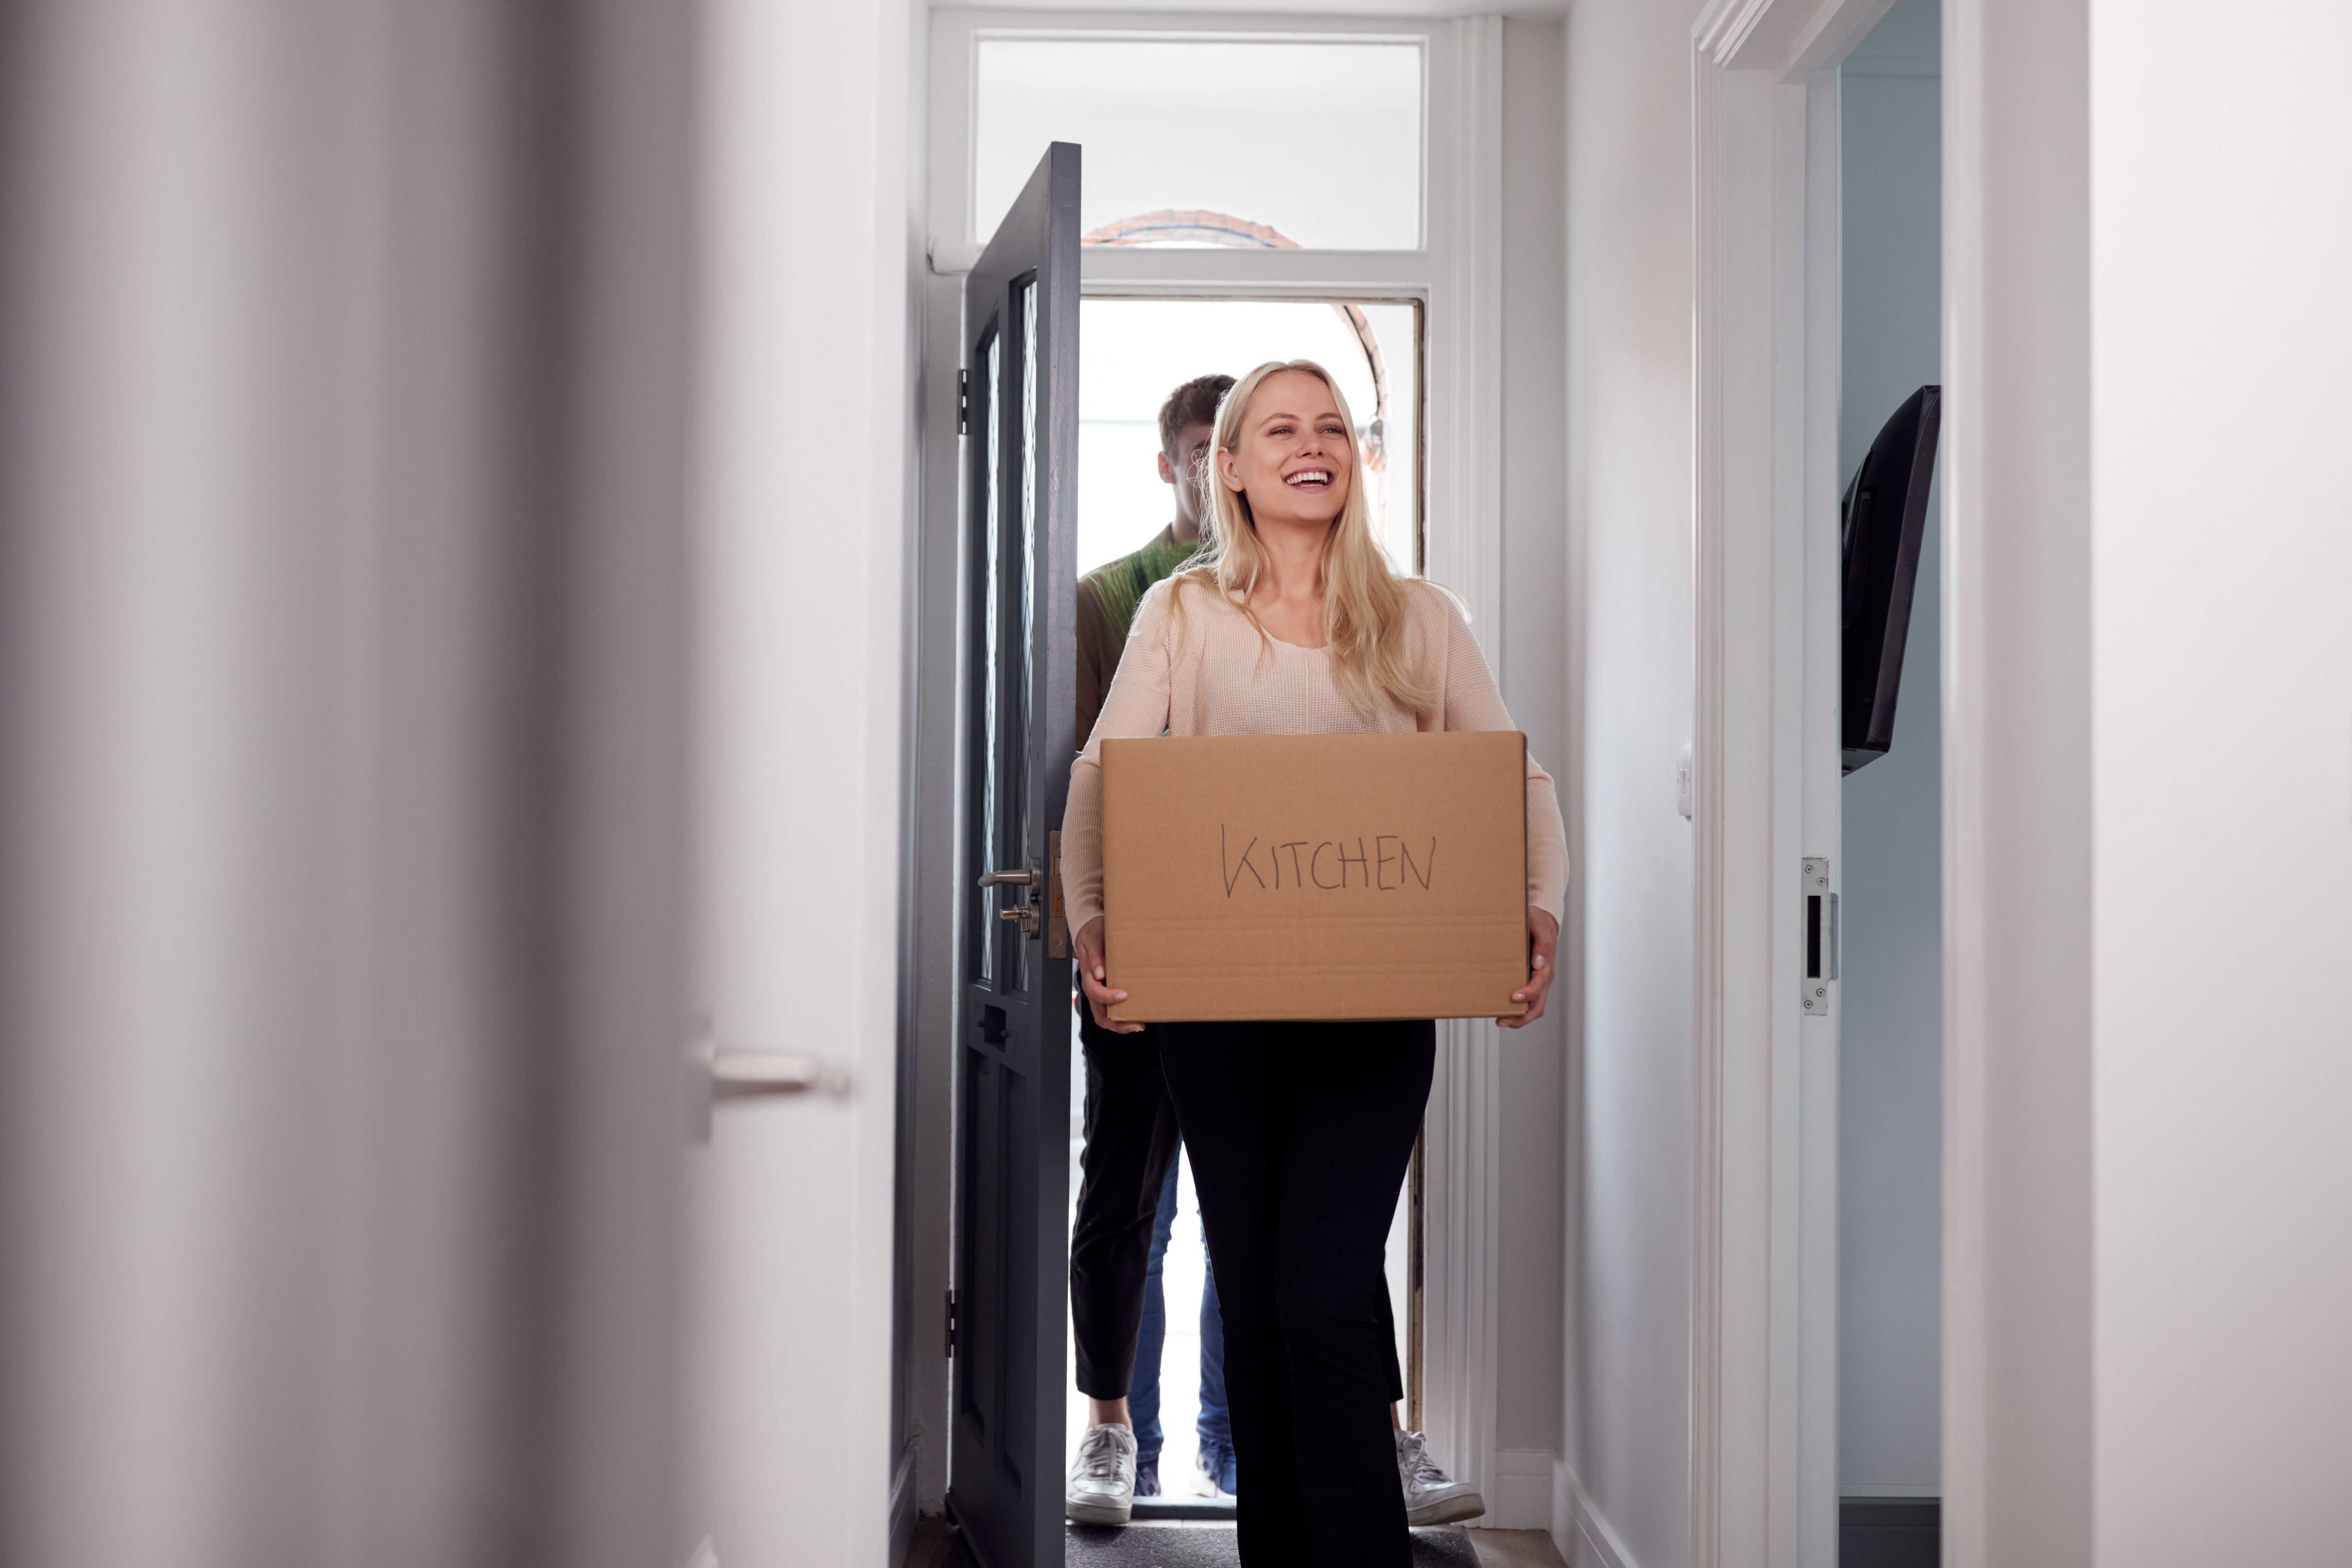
(714,1072)
(1023,914)
(772,1072)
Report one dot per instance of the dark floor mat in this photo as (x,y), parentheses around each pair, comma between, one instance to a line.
(1189,1545)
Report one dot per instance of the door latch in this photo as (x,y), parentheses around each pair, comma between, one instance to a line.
(1821,935)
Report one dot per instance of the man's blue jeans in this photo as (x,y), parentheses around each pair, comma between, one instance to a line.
(1143,1397)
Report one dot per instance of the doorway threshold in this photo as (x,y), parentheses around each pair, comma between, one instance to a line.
(1183,1507)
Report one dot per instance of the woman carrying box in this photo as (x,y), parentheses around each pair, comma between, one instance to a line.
(1293,623)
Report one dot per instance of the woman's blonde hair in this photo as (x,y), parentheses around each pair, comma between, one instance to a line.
(1363,594)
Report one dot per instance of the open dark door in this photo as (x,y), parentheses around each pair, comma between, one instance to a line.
(1021,364)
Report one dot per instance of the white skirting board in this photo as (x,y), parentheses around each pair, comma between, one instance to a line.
(1520,1495)
(1582,1537)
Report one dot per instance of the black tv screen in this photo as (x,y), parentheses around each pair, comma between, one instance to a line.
(1882,519)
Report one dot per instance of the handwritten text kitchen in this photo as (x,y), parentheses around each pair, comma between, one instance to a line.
(1389,865)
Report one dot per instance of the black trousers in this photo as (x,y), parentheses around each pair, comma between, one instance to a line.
(1131,1127)
(1300,1135)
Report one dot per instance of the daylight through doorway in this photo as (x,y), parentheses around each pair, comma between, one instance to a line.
(1132,354)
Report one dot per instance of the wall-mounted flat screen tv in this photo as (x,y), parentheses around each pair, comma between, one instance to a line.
(1882,519)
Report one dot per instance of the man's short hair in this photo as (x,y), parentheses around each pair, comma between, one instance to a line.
(1194,402)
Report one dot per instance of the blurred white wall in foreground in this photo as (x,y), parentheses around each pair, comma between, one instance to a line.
(341,479)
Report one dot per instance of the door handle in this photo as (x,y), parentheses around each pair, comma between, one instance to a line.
(1025,913)
(714,1072)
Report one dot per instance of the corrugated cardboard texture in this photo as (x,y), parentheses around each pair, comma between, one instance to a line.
(1254,877)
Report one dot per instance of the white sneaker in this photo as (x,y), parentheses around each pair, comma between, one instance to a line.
(1431,1496)
(1102,1478)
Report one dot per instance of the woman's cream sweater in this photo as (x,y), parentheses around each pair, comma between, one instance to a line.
(1224,679)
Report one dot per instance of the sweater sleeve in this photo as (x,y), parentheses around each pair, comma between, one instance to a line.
(1136,707)
(1471,701)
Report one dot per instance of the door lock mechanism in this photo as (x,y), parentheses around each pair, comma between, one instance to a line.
(1024,914)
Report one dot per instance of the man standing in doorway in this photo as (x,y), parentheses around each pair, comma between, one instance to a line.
(1127,1192)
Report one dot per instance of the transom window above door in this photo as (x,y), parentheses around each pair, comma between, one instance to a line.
(1257,185)
(1133,352)
(1278,143)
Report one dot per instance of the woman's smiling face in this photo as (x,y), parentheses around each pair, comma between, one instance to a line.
(1297,456)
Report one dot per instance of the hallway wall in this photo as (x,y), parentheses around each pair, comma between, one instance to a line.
(341,725)
(2220,542)
(1627,1182)
(2149,836)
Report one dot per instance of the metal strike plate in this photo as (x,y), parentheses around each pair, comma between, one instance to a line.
(1821,935)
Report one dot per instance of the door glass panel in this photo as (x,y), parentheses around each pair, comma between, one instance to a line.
(1025,759)
(992,678)
(1207,141)
(1134,353)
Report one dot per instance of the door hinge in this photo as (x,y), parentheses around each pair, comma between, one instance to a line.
(951,1325)
(1821,935)
(963,400)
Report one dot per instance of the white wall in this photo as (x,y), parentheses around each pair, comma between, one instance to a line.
(340,624)
(2221,675)
(1625,1438)
(2148,784)
(1891,1023)
(1534,678)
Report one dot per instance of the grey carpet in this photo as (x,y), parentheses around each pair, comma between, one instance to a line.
(1189,1545)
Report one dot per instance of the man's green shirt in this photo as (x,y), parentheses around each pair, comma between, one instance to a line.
(1108,597)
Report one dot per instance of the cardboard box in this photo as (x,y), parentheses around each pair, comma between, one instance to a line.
(1250,877)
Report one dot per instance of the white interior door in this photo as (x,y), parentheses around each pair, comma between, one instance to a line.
(801,502)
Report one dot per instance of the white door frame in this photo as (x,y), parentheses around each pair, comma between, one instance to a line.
(2017,1291)
(1457,276)
(2018,1482)
(1763,1354)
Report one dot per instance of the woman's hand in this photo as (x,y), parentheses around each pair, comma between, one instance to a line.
(1099,996)
(1543,939)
